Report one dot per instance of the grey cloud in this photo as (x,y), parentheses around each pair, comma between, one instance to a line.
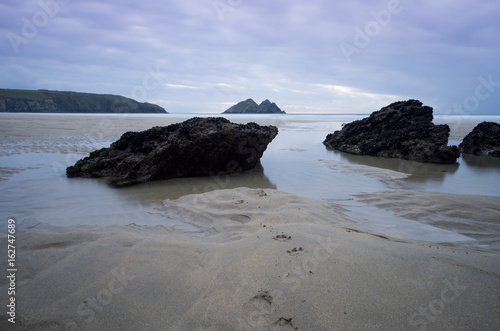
(263,49)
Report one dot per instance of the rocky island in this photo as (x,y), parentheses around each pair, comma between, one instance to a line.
(196,147)
(45,101)
(250,107)
(402,130)
(484,140)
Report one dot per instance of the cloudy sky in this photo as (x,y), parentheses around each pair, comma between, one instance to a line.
(317,56)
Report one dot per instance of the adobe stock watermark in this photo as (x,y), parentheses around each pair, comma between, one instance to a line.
(265,303)
(96,135)
(222,7)
(151,81)
(248,151)
(364,37)
(428,314)
(31,26)
(260,307)
(309,264)
(92,305)
(483,91)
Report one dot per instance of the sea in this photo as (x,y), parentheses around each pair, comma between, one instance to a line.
(296,161)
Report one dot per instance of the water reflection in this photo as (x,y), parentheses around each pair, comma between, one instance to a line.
(417,169)
(487,163)
(177,187)
(470,175)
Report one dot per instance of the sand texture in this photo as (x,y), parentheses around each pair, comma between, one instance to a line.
(253,260)
(67,134)
(473,216)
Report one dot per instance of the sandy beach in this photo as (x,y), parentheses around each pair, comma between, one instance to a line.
(249,258)
(261,260)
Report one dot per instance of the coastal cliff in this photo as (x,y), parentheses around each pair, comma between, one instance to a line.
(45,101)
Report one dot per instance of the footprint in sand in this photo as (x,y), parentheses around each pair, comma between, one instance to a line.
(282,237)
(241,218)
(295,251)
(260,193)
(285,322)
(261,312)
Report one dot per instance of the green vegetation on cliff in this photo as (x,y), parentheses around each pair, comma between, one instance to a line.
(45,101)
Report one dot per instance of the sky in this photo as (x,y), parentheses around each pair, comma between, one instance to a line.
(314,56)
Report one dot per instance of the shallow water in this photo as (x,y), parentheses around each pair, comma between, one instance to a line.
(296,161)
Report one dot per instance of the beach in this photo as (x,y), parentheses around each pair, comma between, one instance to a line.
(389,246)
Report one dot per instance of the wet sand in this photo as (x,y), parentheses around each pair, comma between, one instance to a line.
(251,259)
(260,260)
(473,216)
(67,134)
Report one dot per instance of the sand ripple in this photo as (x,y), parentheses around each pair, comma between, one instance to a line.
(234,214)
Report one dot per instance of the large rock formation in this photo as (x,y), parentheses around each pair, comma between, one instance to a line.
(196,147)
(401,130)
(247,106)
(44,101)
(483,140)
(250,107)
(268,107)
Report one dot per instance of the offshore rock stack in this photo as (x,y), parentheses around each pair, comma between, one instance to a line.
(249,106)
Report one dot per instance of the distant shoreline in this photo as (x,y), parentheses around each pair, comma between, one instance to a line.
(51,101)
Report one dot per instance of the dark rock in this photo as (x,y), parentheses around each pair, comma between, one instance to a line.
(247,106)
(268,107)
(250,107)
(401,130)
(196,147)
(483,140)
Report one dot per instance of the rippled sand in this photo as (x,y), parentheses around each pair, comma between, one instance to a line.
(258,260)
